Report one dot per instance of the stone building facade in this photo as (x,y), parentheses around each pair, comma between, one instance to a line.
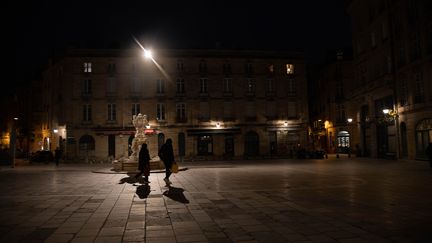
(213,104)
(392,42)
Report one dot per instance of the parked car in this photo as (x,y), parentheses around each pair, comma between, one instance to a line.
(42,156)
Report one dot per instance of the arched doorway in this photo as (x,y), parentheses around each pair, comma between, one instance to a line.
(251,144)
(423,137)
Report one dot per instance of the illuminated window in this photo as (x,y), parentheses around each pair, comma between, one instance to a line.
(160,112)
(112,115)
(135,109)
(290,68)
(87,67)
(87,112)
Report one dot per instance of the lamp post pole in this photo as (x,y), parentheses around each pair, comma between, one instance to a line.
(13,142)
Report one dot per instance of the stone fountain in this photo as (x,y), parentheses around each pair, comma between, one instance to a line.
(130,163)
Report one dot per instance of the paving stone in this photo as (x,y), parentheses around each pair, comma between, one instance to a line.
(345,200)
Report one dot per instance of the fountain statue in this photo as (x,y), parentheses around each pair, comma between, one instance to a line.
(130,163)
(140,122)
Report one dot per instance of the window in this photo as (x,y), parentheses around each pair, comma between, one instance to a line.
(87,86)
(419,88)
(271,109)
(340,113)
(180,86)
(202,67)
(181,112)
(112,116)
(87,67)
(290,68)
(292,111)
(250,110)
(250,85)
(270,69)
(160,86)
(160,112)
(111,85)
(270,85)
(249,68)
(291,86)
(111,69)
(180,66)
(204,111)
(135,85)
(135,109)
(228,110)
(203,85)
(403,92)
(87,112)
(227,85)
(226,68)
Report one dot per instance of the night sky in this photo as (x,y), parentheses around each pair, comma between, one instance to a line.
(45,28)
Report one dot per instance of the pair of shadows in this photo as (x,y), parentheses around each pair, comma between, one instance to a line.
(174,193)
(143,191)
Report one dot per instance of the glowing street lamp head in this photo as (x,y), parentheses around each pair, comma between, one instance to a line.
(148,54)
(386,111)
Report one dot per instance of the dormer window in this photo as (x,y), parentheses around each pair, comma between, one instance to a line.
(290,68)
(87,67)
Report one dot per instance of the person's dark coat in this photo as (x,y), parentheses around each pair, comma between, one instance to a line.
(144,160)
(166,153)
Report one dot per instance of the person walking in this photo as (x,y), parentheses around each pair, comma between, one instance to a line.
(144,163)
(429,153)
(57,155)
(166,154)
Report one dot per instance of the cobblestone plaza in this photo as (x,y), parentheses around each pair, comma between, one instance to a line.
(332,200)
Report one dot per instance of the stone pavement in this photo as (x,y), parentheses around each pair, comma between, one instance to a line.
(333,200)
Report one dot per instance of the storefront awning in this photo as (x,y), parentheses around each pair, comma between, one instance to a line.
(203,131)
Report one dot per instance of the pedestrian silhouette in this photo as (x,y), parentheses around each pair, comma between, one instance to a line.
(166,154)
(57,155)
(143,163)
